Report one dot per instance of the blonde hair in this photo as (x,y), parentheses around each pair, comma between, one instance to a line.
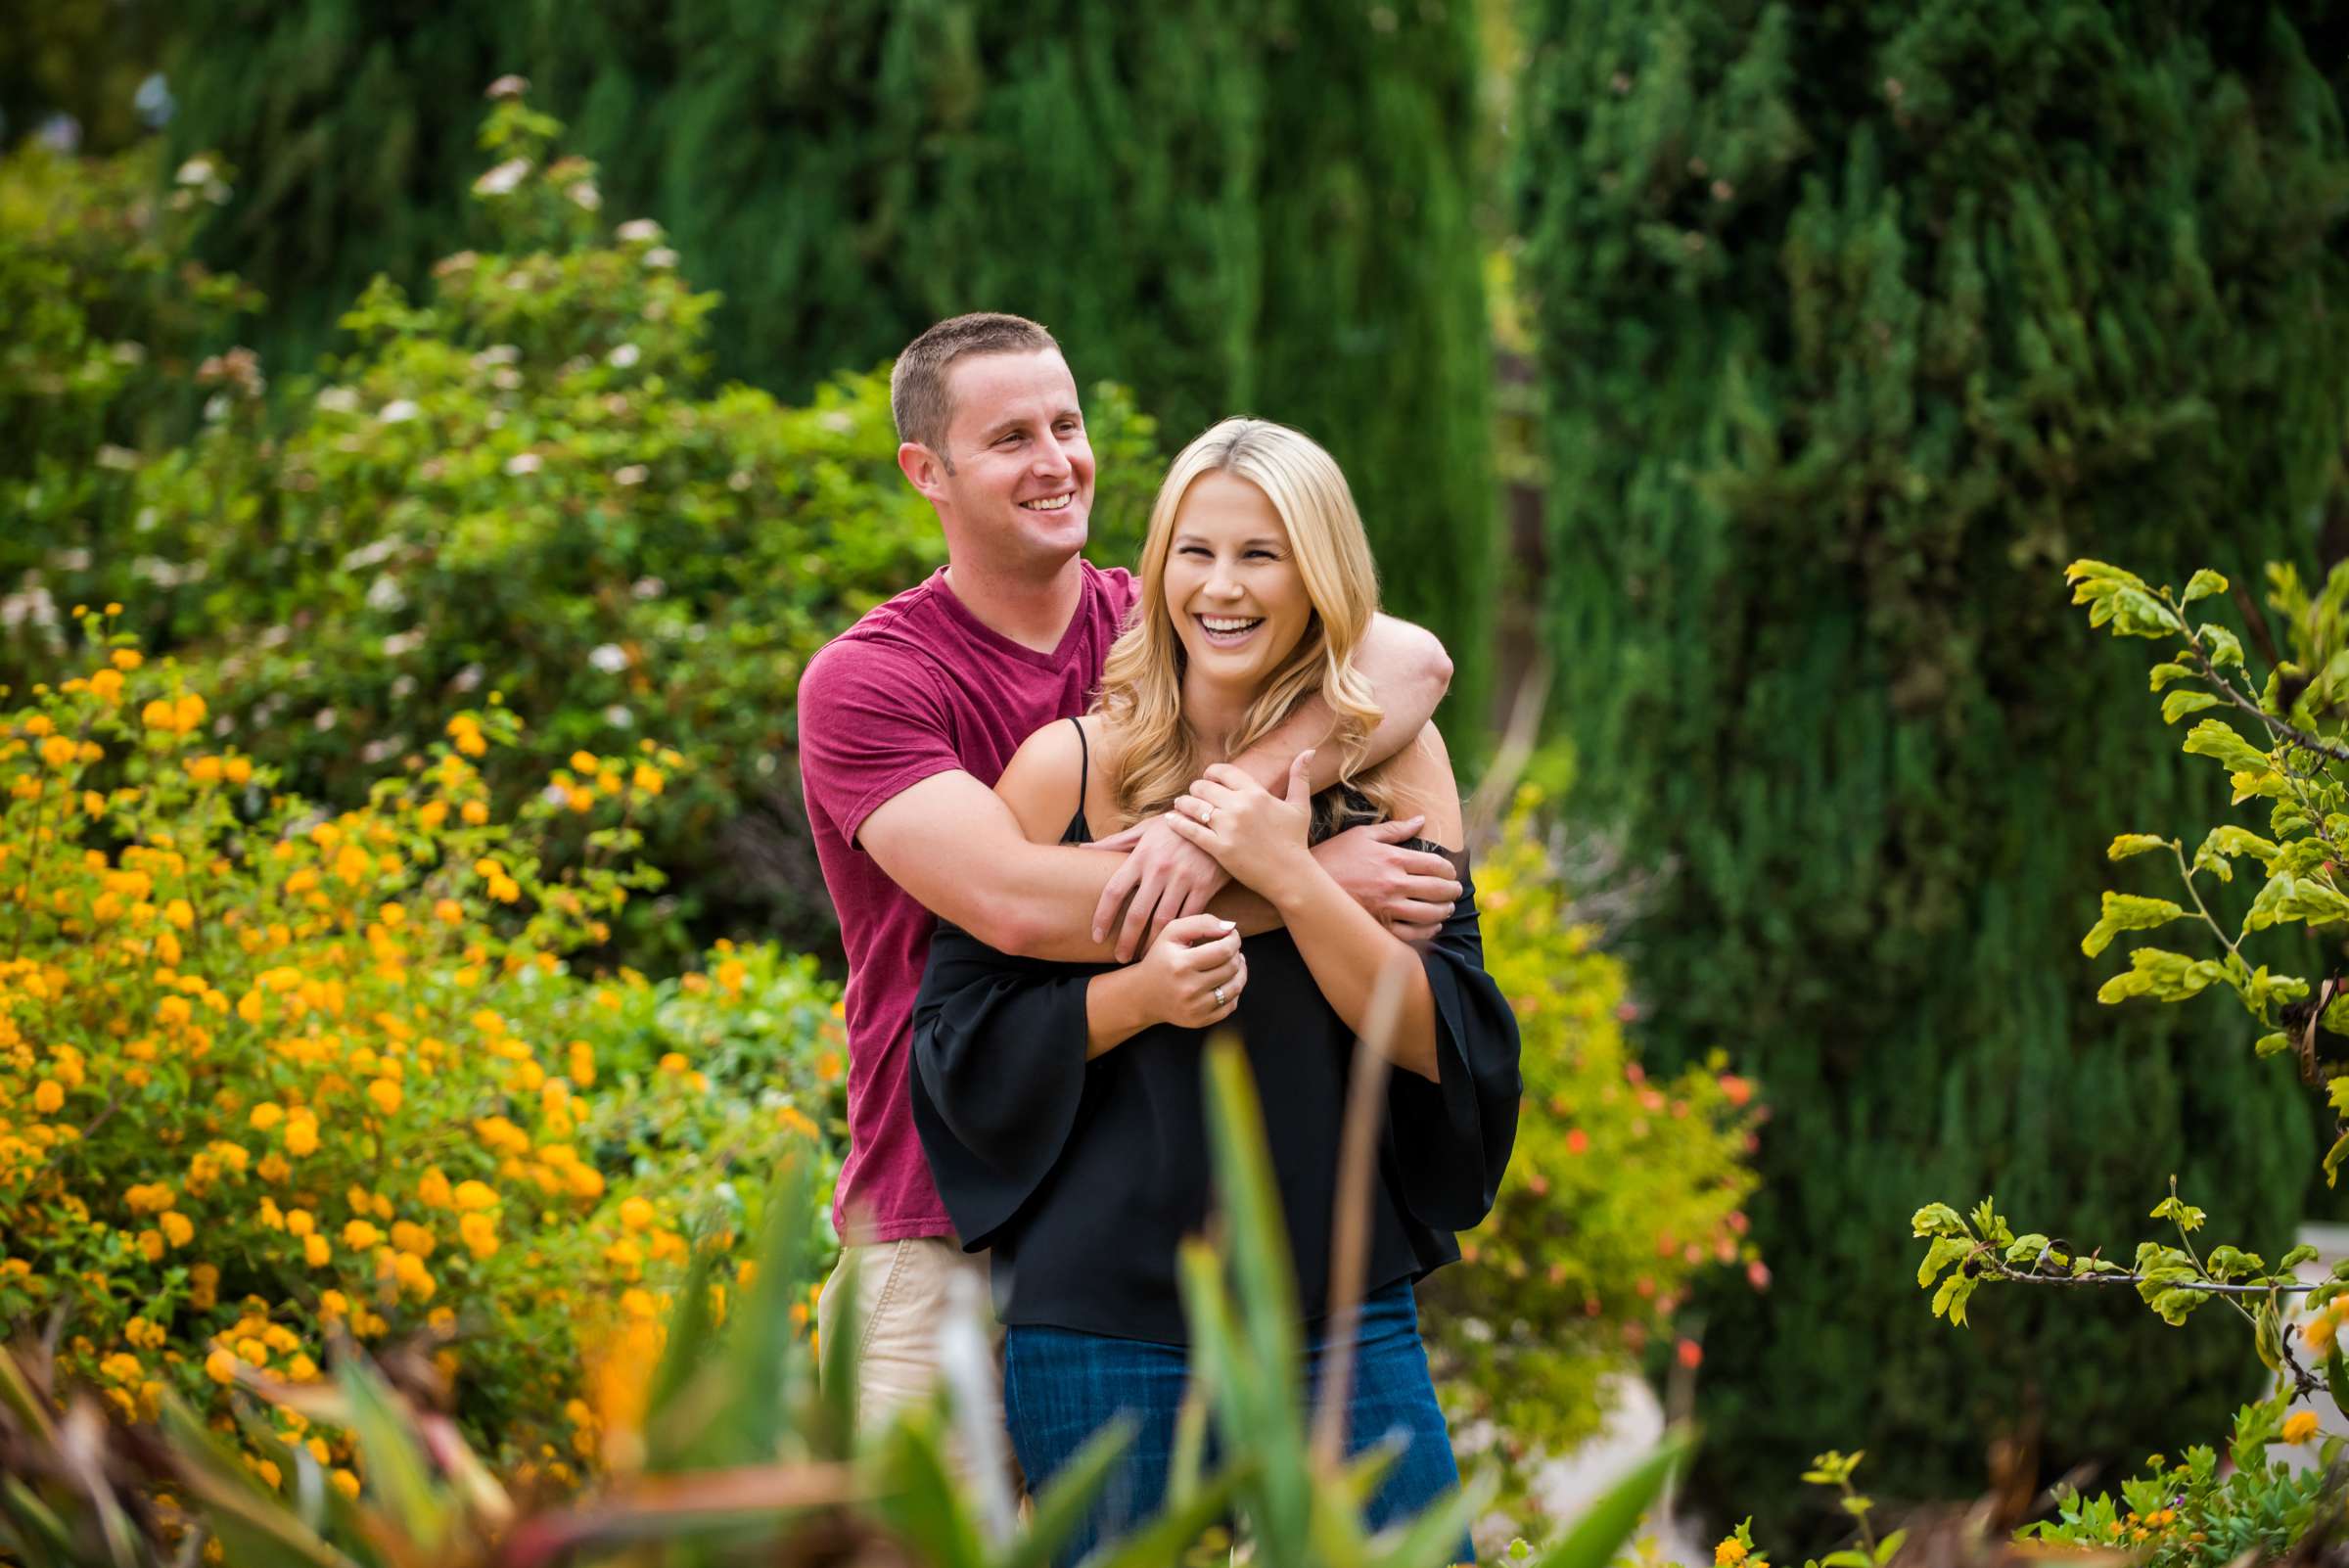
(1141,683)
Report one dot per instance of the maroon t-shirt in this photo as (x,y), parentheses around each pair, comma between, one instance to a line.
(919,686)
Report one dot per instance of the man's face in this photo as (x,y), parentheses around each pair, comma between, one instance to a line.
(1023,479)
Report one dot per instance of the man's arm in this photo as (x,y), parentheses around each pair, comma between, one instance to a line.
(1163,878)
(956,847)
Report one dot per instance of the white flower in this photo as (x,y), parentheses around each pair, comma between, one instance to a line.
(522,463)
(584,194)
(660,255)
(128,352)
(215,408)
(622,357)
(75,560)
(323,718)
(505,378)
(648,587)
(385,595)
(633,474)
(466,679)
(610,657)
(498,353)
(402,643)
(398,411)
(636,230)
(619,717)
(195,171)
(339,399)
(403,687)
(117,457)
(508,86)
(739,480)
(367,555)
(503,178)
(553,795)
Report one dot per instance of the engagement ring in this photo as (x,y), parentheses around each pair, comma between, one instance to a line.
(1219,996)
(1207,813)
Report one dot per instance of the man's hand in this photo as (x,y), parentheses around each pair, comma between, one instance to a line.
(1411,891)
(1168,879)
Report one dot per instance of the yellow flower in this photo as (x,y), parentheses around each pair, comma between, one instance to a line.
(636,1214)
(480,1235)
(586,761)
(301,1221)
(107,686)
(647,779)
(344,1482)
(2319,1332)
(237,771)
(126,659)
(59,752)
(386,1095)
(435,1190)
(301,1137)
(220,1367)
(49,1097)
(204,770)
(474,1196)
(2300,1427)
(267,1115)
(315,1252)
(178,1230)
(360,1234)
(473,812)
(1730,1553)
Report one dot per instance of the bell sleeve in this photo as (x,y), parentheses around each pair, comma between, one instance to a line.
(1450,1138)
(998,1073)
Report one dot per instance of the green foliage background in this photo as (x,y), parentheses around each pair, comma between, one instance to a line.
(1856,323)
(1230,208)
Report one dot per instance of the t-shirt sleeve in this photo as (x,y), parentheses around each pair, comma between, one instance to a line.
(1123,591)
(998,1074)
(872,724)
(1451,1139)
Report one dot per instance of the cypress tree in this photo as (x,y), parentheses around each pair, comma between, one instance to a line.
(1857,323)
(1225,206)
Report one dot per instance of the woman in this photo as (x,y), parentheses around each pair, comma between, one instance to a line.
(1061,1105)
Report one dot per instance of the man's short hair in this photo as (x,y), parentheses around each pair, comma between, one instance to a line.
(917,387)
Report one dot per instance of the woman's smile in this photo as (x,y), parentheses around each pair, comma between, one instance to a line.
(1228,631)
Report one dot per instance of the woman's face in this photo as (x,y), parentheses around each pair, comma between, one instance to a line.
(1232,586)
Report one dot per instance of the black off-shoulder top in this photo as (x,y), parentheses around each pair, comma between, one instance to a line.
(1083,1176)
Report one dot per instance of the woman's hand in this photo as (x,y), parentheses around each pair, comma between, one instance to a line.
(1193,973)
(1261,838)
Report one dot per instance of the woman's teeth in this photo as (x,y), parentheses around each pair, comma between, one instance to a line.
(1227,629)
(1050,503)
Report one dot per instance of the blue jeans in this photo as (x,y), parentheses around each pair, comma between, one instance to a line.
(1060,1387)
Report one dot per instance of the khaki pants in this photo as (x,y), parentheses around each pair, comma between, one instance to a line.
(905,1291)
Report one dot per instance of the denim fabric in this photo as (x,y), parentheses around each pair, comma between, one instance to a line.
(1060,1387)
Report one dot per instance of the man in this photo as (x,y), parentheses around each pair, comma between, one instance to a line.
(907,719)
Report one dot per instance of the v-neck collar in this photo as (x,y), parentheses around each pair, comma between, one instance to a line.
(1012,647)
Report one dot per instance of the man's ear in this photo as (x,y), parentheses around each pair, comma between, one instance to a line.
(923,468)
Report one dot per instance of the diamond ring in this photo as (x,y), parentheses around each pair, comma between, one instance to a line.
(1208,815)
(1219,996)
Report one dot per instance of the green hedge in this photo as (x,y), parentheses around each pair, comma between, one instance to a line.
(1230,207)
(1855,325)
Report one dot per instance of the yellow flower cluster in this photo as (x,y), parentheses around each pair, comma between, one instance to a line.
(266,1078)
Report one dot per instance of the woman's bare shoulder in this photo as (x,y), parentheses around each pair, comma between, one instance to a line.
(1421,776)
(1040,782)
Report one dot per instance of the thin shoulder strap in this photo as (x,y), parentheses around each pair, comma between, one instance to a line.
(1084,765)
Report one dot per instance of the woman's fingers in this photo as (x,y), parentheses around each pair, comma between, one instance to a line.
(1212,954)
(1223,974)
(1430,890)
(1417,912)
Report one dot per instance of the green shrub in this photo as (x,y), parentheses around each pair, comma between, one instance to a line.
(270,1073)
(108,316)
(524,483)
(1622,1191)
